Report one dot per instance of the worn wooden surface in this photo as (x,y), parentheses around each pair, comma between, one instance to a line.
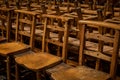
(42,60)
(99,53)
(113,26)
(11,48)
(37,61)
(80,73)
(93,50)
(57,68)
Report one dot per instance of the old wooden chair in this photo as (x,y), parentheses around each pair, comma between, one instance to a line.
(39,61)
(5,23)
(96,50)
(74,42)
(75,31)
(7,50)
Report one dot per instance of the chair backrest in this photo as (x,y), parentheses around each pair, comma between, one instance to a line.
(99,48)
(57,9)
(21,3)
(85,16)
(5,24)
(25,25)
(43,8)
(76,3)
(79,13)
(56,31)
(6,2)
(28,5)
(18,4)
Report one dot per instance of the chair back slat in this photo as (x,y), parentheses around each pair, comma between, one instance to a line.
(25,25)
(56,32)
(98,46)
(5,24)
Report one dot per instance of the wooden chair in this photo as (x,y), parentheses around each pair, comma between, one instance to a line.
(96,50)
(5,23)
(75,30)
(74,41)
(39,61)
(7,50)
(25,25)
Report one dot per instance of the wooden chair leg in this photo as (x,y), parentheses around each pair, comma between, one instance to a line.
(16,72)
(38,76)
(45,75)
(8,68)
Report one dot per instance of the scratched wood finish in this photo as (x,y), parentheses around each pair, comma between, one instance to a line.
(12,47)
(115,47)
(59,67)
(85,73)
(41,60)
(80,73)
(37,61)
(2,39)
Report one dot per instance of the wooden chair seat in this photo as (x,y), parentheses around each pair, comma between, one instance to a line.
(12,48)
(48,11)
(71,40)
(35,5)
(114,20)
(80,73)
(39,32)
(54,36)
(85,16)
(57,68)
(61,8)
(2,39)
(90,45)
(42,59)
(13,26)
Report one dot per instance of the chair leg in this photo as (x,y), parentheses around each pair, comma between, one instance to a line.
(16,72)
(38,76)
(46,77)
(8,67)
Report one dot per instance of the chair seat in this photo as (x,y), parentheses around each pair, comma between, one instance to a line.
(12,48)
(80,73)
(90,45)
(2,39)
(59,67)
(38,61)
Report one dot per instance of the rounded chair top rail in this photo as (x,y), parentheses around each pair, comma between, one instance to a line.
(27,12)
(100,24)
(63,18)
